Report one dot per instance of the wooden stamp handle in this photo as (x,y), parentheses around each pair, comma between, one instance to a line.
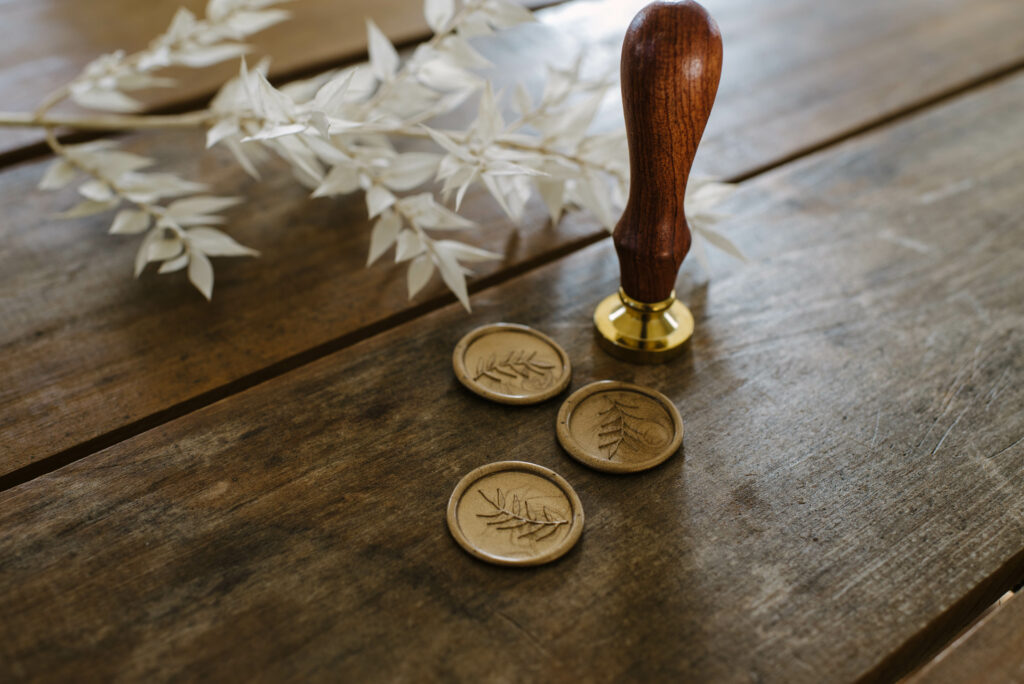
(671,62)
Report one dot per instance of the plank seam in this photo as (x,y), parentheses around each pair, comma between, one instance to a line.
(96,444)
(963,636)
(920,649)
(884,120)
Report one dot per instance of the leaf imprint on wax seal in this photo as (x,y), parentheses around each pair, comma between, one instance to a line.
(517,370)
(624,427)
(511,364)
(515,513)
(618,427)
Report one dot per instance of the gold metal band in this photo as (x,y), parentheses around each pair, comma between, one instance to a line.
(646,307)
(642,332)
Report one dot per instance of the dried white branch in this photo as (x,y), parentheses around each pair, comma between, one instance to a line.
(107,122)
(337,131)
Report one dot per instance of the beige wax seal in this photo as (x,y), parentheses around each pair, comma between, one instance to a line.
(515,513)
(511,364)
(618,427)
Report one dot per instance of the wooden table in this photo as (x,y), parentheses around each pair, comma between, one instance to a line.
(254,488)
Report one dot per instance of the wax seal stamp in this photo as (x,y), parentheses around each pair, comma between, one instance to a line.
(671,62)
(511,364)
(618,427)
(515,513)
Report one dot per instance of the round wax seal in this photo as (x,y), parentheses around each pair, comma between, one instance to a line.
(618,427)
(515,513)
(511,364)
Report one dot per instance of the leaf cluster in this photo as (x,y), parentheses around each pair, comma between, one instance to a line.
(340,132)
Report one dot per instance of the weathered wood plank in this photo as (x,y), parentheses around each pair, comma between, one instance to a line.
(85,350)
(852,467)
(45,43)
(992,652)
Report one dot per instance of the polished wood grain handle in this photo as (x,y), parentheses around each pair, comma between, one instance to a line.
(671,63)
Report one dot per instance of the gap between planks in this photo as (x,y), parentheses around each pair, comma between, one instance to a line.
(907,112)
(137,427)
(949,649)
(278,368)
(953,625)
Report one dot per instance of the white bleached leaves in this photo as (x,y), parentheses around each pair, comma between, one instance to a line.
(702,196)
(177,234)
(418,275)
(383,56)
(410,170)
(188,41)
(406,227)
(197,210)
(200,273)
(130,222)
(438,13)
(213,242)
(383,236)
(337,130)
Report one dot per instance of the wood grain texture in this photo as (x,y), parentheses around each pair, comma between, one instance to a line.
(46,43)
(671,63)
(85,351)
(852,467)
(992,652)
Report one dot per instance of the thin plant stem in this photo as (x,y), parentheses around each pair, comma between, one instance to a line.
(107,122)
(61,151)
(201,118)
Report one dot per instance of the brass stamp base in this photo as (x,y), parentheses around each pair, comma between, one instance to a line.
(642,333)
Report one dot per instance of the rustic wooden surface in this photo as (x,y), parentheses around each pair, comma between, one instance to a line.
(670,67)
(849,488)
(79,334)
(992,652)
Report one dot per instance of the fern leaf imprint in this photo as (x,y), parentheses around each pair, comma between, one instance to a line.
(515,514)
(622,427)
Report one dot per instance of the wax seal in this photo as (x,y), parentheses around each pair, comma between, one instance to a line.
(618,427)
(515,513)
(511,364)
